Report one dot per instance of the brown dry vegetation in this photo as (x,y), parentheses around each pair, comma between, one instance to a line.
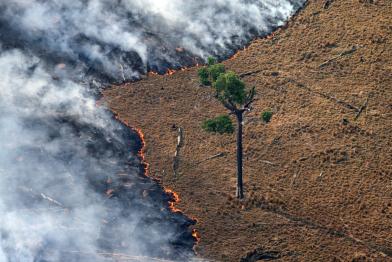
(318,187)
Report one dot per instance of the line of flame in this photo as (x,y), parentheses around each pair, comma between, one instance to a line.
(175,198)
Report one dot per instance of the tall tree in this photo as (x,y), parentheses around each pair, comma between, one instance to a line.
(232,93)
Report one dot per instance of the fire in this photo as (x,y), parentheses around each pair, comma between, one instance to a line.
(175,199)
(196,235)
(109,193)
(271,36)
(170,72)
(141,151)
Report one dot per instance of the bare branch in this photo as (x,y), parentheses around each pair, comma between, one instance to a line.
(228,106)
(250,98)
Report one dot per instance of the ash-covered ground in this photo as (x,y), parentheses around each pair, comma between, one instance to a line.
(72,186)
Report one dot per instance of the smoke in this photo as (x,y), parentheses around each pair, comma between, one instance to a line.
(120,39)
(60,154)
(71,184)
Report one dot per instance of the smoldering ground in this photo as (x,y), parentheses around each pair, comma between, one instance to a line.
(71,184)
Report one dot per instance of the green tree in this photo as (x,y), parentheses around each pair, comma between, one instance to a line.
(233,94)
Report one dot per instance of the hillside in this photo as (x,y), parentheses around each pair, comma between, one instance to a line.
(318,177)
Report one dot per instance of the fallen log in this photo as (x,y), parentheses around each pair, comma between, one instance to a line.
(180,144)
(119,256)
(126,257)
(268,162)
(329,97)
(344,53)
(51,200)
(41,195)
(363,107)
(211,157)
(250,73)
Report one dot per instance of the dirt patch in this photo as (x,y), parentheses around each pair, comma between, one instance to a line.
(319,160)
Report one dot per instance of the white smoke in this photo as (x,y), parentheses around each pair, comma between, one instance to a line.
(93,30)
(60,153)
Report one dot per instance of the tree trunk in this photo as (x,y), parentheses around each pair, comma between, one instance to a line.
(240,188)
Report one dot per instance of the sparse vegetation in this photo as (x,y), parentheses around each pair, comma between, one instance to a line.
(221,124)
(232,93)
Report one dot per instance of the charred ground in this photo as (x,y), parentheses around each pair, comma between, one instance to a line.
(318,177)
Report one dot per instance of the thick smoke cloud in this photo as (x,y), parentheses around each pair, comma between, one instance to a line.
(71,185)
(119,39)
(60,154)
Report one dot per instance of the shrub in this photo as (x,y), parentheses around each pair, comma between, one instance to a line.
(221,124)
(204,76)
(210,73)
(215,71)
(266,116)
(211,61)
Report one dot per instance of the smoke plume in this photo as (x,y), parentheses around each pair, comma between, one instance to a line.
(71,184)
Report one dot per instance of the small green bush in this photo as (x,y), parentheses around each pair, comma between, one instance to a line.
(211,61)
(204,76)
(210,73)
(215,71)
(221,124)
(266,116)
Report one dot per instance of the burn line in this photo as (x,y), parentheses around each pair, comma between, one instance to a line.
(174,197)
(269,36)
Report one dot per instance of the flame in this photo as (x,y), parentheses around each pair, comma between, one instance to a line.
(196,235)
(109,193)
(271,36)
(143,146)
(175,198)
(170,72)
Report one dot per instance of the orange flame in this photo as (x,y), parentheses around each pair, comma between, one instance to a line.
(141,151)
(170,72)
(196,235)
(175,199)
